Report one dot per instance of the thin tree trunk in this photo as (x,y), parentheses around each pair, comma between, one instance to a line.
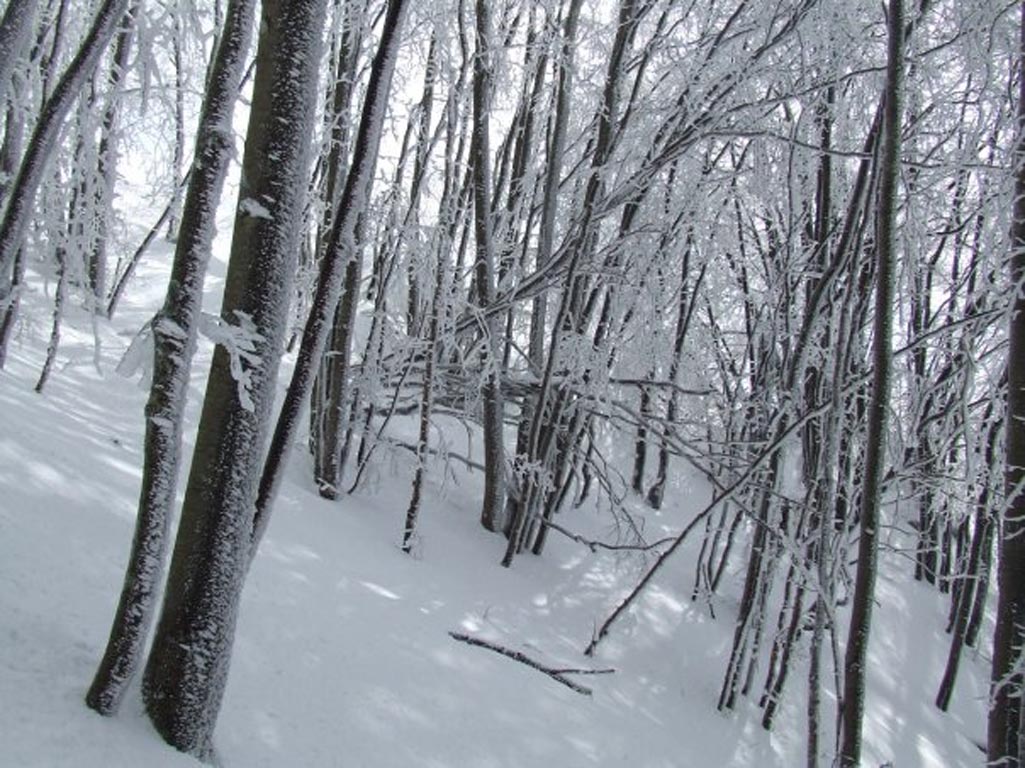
(755,586)
(58,316)
(1007,679)
(10,151)
(126,275)
(341,249)
(21,194)
(971,579)
(855,662)
(546,240)
(9,306)
(687,304)
(423,146)
(547,419)
(174,212)
(426,404)
(485,277)
(106,160)
(15,28)
(329,401)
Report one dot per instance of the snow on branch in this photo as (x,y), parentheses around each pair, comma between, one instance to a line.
(239,341)
(139,356)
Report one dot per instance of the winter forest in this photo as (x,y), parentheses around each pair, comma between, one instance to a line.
(512,383)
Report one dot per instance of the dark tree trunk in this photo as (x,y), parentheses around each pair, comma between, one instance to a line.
(882,358)
(188,665)
(106,160)
(1006,710)
(550,414)
(485,278)
(972,578)
(58,316)
(339,253)
(174,331)
(329,401)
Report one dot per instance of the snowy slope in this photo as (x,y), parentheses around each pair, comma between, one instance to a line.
(343,656)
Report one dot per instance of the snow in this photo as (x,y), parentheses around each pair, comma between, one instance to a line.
(342,652)
(240,342)
(254,208)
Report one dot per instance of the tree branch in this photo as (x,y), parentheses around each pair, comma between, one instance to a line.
(555,674)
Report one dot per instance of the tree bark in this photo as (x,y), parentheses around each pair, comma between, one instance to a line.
(188,665)
(485,278)
(106,159)
(1007,679)
(174,330)
(340,252)
(15,26)
(855,661)
(329,400)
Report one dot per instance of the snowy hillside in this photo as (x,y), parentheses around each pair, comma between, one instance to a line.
(343,655)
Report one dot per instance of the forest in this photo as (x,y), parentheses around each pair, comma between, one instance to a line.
(722,300)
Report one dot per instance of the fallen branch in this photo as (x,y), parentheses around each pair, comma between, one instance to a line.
(555,674)
(595,545)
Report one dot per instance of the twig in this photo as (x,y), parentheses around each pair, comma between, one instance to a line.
(470,463)
(595,545)
(555,674)
(122,281)
(726,494)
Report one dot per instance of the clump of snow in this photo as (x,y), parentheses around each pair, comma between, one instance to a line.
(138,358)
(239,341)
(254,208)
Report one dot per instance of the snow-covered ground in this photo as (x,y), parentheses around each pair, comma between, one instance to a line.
(343,656)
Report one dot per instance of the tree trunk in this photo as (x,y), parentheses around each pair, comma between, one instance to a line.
(329,401)
(15,26)
(1006,710)
(106,161)
(972,581)
(882,357)
(174,212)
(174,331)
(58,316)
(340,251)
(485,278)
(549,414)
(40,149)
(188,665)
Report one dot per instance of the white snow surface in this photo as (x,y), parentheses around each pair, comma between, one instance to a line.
(342,656)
